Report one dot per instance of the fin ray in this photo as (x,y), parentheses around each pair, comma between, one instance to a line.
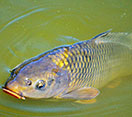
(85,93)
(117,37)
(101,35)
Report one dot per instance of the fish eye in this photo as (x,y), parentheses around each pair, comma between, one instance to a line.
(28,82)
(41,84)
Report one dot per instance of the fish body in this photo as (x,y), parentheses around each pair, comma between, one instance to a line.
(74,71)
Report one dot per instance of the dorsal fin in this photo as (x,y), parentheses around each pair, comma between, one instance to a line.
(101,35)
(122,38)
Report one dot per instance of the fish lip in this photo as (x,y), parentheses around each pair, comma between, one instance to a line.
(12,93)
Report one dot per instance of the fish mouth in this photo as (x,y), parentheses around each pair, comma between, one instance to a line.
(12,93)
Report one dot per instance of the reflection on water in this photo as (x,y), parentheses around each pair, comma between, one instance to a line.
(30,28)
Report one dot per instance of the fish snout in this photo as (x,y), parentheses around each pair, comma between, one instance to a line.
(12,88)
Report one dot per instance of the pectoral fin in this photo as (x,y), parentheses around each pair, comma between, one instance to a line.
(85,93)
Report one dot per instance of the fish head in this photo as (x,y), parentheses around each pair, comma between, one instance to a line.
(38,79)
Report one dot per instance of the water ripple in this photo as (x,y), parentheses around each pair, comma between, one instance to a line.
(22,16)
(57,24)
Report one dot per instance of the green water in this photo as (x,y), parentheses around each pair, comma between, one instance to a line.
(30,27)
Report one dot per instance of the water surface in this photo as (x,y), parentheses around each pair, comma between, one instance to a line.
(28,28)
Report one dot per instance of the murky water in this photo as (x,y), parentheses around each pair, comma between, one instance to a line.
(28,28)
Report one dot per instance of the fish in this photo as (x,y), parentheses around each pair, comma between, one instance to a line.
(76,71)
